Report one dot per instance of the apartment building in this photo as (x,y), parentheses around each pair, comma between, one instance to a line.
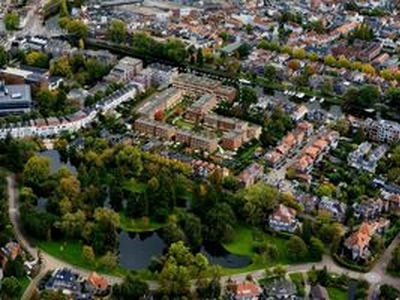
(197,141)
(126,69)
(146,126)
(205,142)
(160,102)
(232,140)
(204,85)
(382,131)
(201,107)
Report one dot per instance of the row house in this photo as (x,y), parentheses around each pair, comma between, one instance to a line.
(316,151)
(204,85)
(288,144)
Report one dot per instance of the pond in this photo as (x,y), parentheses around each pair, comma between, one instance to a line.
(56,163)
(137,249)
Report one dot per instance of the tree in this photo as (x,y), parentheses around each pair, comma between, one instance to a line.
(200,57)
(394,264)
(280,271)
(108,261)
(36,171)
(388,292)
(297,248)
(61,67)
(316,249)
(64,12)
(159,115)
(343,62)
(247,97)
(299,53)
(369,94)
(191,226)
(15,268)
(132,288)
(325,189)
(88,254)
(368,69)
(72,224)
(330,60)
(37,59)
(77,28)
(174,280)
(392,96)
(117,31)
(363,32)
(4,57)
(270,72)
(10,288)
(53,295)
(257,202)
(11,21)
(294,64)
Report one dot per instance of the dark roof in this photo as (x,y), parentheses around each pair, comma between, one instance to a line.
(318,292)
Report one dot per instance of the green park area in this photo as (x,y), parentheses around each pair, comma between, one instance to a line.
(71,253)
(337,293)
(246,242)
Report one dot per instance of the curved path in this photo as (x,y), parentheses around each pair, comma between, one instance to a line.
(375,277)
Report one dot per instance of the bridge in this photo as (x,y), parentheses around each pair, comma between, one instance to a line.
(121,2)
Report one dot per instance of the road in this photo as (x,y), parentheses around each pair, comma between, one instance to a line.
(376,276)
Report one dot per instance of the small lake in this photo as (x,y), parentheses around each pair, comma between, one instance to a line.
(56,163)
(137,249)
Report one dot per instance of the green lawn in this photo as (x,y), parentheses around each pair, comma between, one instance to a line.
(243,245)
(337,294)
(24,283)
(182,123)
(71,252)
(298,280)
(138,225)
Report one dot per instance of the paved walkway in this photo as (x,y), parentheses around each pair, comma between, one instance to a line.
(376,276)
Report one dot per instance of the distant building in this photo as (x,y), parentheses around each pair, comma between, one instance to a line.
(97,283)
(204,85)
(382,131)
(365,159)
(125,70)
(247,291)
(163,74)
(15,99)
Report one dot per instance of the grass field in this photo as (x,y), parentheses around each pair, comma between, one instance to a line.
(71,252)
(298,280)
(337,294)
(243,245)
(23,283)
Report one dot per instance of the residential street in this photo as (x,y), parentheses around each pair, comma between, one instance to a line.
(376,276)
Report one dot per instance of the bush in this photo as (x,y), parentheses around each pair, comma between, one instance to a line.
(352,266)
